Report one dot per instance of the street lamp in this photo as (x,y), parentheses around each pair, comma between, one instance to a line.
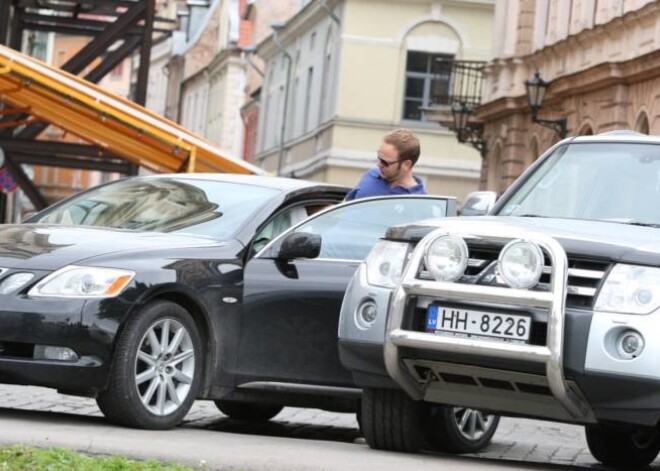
(277,27)
(536,91)
(467,132)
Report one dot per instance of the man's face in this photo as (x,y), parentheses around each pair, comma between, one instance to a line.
(389,165)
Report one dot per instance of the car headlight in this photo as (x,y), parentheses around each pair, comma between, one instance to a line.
(630,289)
(385,263)
(446,258)
(83,282)
(521,264)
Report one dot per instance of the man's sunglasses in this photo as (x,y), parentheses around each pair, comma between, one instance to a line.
(385,163)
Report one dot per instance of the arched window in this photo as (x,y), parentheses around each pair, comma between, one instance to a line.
(642,124)
(426,82)
(586,130)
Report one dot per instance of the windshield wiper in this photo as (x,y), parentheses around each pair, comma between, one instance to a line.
(529,216)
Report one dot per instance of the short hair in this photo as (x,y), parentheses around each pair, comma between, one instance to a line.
(405,142)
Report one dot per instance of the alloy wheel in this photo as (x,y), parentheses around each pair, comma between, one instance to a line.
(472,424)
(164,366)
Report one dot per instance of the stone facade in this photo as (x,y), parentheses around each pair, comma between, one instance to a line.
(601,60)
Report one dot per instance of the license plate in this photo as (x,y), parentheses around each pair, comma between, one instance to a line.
(469,323)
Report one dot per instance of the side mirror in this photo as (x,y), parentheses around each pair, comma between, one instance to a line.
(299,245)
(478,203)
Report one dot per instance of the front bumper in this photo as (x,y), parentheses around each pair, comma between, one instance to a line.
(569,378)
(86,327)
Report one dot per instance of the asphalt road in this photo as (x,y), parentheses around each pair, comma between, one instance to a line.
(297,439)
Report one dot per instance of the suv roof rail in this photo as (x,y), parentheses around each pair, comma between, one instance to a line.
(622,132)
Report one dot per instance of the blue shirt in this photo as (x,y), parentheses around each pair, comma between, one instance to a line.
(372,184)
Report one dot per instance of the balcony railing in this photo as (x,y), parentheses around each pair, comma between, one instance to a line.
(457,82)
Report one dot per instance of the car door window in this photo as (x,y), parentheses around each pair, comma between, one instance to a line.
(349,231)
(284,220)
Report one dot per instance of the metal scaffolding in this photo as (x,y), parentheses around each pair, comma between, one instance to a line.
(121,134)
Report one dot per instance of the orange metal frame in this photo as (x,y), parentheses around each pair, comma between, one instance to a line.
(110,122)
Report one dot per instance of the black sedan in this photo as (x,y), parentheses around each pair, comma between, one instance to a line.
(146,294)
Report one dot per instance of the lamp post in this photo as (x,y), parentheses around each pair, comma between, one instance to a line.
(466,132)
(536,90)
(277,27)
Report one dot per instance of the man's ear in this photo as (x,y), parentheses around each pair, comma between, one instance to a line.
(407,164)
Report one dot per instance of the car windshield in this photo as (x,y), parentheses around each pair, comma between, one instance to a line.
(202,207)
(593,181)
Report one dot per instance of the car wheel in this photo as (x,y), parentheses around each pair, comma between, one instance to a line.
(391,420)
(623,449)
(459,429)
(250,411)
(156,371)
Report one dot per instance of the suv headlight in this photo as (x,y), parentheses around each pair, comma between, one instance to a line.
(385,263)
(83,282)
(630,289)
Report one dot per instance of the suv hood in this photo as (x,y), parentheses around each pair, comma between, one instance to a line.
(591,239)
(49,247)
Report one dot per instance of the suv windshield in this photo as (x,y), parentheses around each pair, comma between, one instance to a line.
(594,181)
(203,207)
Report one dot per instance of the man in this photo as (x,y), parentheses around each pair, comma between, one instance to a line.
(396,158)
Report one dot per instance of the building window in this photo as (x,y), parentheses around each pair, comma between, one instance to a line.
(422,84)
(308,100)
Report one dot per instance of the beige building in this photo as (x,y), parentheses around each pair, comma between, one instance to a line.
(600,59)
(359,68)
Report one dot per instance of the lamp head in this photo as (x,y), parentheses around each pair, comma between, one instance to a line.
(536,89)
(461,113)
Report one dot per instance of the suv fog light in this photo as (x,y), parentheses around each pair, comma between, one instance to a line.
(48,352)
(366,314)
(447,257)
(521,264)
(630,344)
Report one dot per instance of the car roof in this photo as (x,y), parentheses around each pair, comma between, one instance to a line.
(278,183)
(622,136)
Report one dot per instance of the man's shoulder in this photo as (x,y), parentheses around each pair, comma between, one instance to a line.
(371,173)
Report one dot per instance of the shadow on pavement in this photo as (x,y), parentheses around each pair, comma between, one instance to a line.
(276,428)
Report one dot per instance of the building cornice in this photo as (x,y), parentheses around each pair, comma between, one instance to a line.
(596,78)
(312,13)
(223,57)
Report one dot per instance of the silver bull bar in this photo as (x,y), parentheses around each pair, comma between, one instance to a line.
(551,354)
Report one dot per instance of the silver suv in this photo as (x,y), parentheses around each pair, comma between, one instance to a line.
(547,308)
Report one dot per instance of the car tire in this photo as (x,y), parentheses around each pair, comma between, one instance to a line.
(151,387)
(391,420)
(623,449)
(249,411)
(459,429)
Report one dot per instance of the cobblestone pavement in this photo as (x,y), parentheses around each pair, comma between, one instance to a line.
(516,439)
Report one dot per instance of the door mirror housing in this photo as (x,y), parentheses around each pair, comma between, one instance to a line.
(478,203)
(299,245)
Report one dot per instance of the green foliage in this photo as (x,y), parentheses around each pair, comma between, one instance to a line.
(21,458)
